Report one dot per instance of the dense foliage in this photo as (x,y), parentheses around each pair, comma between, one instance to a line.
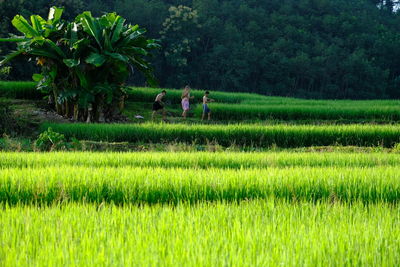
(306,48)
(84,63)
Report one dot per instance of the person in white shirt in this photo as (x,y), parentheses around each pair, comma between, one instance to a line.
(206,109)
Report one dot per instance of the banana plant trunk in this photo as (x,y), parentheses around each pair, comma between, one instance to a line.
(76,112)
(121,104)
(57,105)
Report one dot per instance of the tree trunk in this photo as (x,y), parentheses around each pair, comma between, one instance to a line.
(56,104)
(121,104)
(89,114)
(76,112)
(66,105)
(98,110)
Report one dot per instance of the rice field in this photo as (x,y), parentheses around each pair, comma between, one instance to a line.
(133,185)
(198,160)
(210,209)
(253,107)
(199,209)
(257,233)
(304,111)
(251,135)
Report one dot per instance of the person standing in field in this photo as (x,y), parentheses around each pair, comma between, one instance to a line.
(186,101)
(206,109)
(159,105)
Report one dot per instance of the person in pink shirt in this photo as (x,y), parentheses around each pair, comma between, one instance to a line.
(186,101)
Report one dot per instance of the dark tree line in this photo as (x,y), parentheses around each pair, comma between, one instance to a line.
(303,48)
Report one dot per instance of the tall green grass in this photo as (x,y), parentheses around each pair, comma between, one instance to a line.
(270,100)
(226,135)
(196,160)
(250,234)
(352,111)
(19,90)
(140,185)
(199,209)
(140,94)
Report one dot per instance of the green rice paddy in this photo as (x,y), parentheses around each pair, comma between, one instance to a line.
(210,209)
(252,135)
(254,233)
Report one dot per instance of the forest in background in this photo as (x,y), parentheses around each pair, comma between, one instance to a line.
(302,48)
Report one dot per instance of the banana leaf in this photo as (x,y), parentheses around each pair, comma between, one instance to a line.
(71,63)
(118,27)
(96,59)
(55,14)
(91,26)
(22,25)
(11,56)
(14,39)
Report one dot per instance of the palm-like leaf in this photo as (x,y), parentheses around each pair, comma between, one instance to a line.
(10,57)
(117,29)
(14,39)
(96,59)
(22,25)
(55,14)
(91,26)
(38,24)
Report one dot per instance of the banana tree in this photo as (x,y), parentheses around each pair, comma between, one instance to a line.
(85,63)
(39,40)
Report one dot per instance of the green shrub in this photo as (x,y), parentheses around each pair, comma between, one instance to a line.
(4,72)
(50,141)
